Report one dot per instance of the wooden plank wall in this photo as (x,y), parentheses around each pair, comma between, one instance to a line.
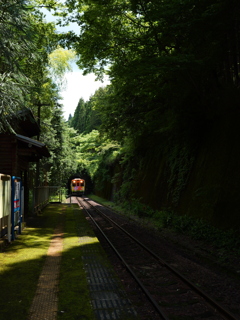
(8,154)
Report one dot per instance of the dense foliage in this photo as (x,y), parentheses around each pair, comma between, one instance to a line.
(32,68)
(174,71)
(169,61)
(86,117)
(23,56)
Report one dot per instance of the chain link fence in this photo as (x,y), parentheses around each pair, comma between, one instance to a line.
(44,195)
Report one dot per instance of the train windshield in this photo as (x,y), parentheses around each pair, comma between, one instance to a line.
(78,185)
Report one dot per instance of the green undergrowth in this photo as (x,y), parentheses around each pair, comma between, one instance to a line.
(74,299)
(110,204)
(198,229)
(21,264)
(102,201)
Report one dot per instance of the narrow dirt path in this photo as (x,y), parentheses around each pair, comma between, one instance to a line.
(45,302)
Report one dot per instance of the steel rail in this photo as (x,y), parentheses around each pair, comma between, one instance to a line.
(146,292)
(225,313)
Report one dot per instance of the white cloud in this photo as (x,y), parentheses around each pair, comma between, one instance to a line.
(78,86)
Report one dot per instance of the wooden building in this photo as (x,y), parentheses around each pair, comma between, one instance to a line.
(18,149)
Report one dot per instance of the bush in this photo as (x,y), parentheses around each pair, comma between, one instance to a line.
(198,229)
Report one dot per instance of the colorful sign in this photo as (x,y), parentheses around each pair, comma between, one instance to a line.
(5,205)
(77,188)
(16,216)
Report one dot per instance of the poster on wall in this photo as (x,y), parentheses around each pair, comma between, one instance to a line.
(16,201)
(16,205)
(5,205)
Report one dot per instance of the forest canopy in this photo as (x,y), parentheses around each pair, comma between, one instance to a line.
(32,70)
(174,72)
(166,59)
(171,63)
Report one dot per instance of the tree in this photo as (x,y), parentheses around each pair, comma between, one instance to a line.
(86,117)
(78,117)
(25,43)
(174,70)
(59,62)
(70,118)
(32,66)
(90,149)
(16,47)
(169,62)
(58,137)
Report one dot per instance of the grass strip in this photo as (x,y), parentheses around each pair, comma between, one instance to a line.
(21,264)
(74,298)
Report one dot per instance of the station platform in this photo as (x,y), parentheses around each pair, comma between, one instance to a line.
(107,298)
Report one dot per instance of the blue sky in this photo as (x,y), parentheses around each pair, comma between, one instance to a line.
(78,86)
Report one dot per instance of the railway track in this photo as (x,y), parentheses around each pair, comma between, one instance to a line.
(171,294)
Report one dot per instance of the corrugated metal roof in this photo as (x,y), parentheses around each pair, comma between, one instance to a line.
(31,142)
